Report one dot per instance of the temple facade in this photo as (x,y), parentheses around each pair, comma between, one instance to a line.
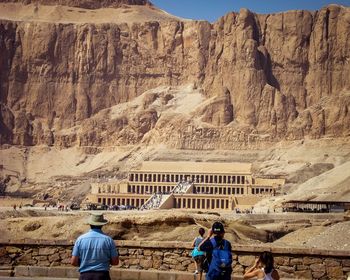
(187,185)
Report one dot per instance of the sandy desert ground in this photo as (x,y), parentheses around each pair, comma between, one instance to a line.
(323,231)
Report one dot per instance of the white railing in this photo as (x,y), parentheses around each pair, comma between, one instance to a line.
(153,202)
(182,187)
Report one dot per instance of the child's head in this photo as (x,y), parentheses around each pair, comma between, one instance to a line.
(201,231)
(266,259)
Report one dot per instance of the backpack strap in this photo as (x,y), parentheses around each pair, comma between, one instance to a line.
(215,245)
(213,242)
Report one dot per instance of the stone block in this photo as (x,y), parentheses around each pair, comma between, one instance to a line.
(335,272)
(148,275)
(186,276)
(346,262)
(238,269)
(331,262)
(318,274)
(170,261)
(181,259)
(135,267)
(191,267)
(43,263)
(115,274)
(171,255)
(164,267)
(286,275)
(64,255)
(6,273)
(36,271)
(24,259)
(309,260)
(295,261)
(287,269)
(167,276)
(5,260)
(146,264)
(123,252)
(180,267)
(13,250)
(186,262)
(129,274)
(31,251)
(59,272)
(302,267)
(72,272)
(140,252)
(281,261)
(133,261)
(54,257)
(47,251)
(318,267)
(41,258)
(302,274)
(65,261)
(147,252)
(246,260)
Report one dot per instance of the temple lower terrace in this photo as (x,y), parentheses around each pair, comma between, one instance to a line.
(187,185)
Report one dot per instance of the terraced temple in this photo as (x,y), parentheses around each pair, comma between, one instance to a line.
(188,185)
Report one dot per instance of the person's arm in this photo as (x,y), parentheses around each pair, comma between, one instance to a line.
(115,260)
(75,254)
(202,246)
(275,275)
(194,242)
(74,261)
(114,253)
(253,271)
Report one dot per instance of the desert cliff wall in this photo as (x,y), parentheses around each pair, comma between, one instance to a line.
(87,4)
(269,77)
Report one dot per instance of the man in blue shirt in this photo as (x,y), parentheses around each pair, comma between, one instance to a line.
(218,252)
(94,252)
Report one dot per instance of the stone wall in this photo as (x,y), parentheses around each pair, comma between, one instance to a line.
(294,263)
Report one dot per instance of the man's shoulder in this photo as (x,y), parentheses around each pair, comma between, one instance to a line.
(229,245)
(93,234)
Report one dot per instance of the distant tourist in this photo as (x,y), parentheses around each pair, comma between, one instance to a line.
(218,251)
(94,252)
(198,255)
(263,268)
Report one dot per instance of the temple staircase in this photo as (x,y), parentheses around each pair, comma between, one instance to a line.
(162,201)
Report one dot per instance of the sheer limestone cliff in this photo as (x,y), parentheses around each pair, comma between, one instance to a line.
(260,78)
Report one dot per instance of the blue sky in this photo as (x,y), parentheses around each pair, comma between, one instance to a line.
(211,10)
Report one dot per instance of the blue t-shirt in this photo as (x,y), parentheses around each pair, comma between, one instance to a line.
(94,250)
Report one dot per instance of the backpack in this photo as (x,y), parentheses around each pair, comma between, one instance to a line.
(221,258)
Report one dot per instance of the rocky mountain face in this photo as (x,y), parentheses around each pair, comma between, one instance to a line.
(86,4)
(263,78)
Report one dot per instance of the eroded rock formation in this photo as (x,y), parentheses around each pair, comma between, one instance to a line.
(264,77)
